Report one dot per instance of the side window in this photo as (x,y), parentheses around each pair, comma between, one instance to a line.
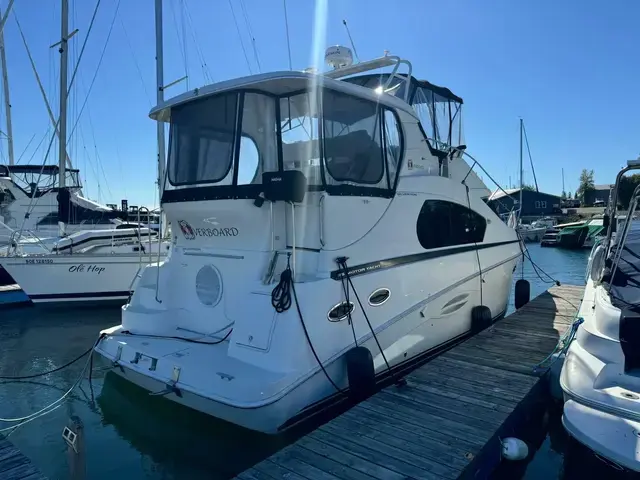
(249,162)
(392,145)
(258,140)
(352,139)
(543,204)
(300,127)
(537,204)
(202,141)
(444,224)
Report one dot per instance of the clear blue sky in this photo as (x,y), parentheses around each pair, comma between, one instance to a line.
(570,69)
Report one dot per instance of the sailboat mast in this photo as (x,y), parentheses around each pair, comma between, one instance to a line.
(521,176)
(62,151)
(7,101)
(563,190)
(160,95)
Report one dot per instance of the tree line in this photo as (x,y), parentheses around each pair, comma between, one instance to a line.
(587,185)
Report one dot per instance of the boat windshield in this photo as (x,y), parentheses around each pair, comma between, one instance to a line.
(41,178)
(338,141)
(439,109)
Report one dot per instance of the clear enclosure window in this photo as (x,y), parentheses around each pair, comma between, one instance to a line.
(299,130)
(202,141)
(440,117)
(443,224)
(258,143)
(352,139)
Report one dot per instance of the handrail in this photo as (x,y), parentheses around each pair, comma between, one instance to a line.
(625,232)
(149,228)
(321,216)
(613,204)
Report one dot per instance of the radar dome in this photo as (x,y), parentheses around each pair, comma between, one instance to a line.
(338,57)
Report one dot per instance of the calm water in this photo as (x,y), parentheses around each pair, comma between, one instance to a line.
(129,435)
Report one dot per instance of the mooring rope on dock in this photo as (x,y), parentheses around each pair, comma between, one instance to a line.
(561,347)
(568,336)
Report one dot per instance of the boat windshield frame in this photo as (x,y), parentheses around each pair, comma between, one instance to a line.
(438,108)
(42,178)
(224,182)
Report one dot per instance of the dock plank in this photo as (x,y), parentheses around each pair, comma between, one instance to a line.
(446,419)
(14,465)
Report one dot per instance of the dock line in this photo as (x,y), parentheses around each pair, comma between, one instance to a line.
(57,403)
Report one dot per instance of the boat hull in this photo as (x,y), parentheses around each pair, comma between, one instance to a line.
(600,398)
(271,418)
(609,436)
(255,396)
(74,278)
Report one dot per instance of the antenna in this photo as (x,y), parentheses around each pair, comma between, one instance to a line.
(353,46)
(286,24)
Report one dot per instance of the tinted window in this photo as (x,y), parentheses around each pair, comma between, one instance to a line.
(202,141)
(352,139)
(443,224)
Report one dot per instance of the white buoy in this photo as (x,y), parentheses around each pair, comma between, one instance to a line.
(514,449)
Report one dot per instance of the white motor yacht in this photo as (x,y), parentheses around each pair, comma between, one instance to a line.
(601,373)
(327,234)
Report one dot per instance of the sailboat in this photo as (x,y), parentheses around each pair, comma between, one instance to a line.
(323,242)
(90,265)
(30,194)
(534,231)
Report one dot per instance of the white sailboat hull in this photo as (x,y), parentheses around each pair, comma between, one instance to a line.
(75,278)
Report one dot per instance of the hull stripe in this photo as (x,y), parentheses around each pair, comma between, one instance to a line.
(414,258)
(65,296)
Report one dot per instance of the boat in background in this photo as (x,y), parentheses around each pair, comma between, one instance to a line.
(574,235)
(74,262)
(599,377)
(88,266)
(534,231)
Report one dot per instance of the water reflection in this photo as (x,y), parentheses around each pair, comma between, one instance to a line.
(187,443)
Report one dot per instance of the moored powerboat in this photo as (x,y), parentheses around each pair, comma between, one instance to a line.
(600,377)
(534,231)
(327,234)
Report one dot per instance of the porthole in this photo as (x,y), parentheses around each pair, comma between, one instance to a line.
(340,311)
(209,286)
(379,296)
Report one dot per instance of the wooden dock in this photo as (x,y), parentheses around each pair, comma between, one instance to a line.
(446,423)
(14,465)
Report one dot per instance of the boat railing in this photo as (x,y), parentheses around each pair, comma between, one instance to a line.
(141,248)
(18,238)
(626,228)
(386,61)
(613,197)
